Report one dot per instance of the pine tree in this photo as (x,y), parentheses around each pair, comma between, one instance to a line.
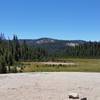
(16,48)
(3,68)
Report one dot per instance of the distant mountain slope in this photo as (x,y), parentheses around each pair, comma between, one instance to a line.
(48,41)
(53,46)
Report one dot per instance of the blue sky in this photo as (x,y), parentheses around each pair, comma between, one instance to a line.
(61,19)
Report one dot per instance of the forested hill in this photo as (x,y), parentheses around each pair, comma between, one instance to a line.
(48,41)
(66,48)
(53,46)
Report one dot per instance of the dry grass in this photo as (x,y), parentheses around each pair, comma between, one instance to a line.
(80,65)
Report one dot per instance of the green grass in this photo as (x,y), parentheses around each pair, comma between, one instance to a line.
(81,65)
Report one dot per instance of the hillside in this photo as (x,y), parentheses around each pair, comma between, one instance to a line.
(48,41)
(53,46)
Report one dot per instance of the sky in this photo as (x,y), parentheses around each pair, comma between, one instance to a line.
(60,19)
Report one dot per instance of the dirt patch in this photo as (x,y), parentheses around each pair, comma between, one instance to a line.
(57,63)
(49,86)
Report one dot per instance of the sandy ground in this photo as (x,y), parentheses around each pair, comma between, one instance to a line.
(57,63)
(49,86)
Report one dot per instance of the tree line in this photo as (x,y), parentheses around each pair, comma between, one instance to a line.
(86,50)
(13,52)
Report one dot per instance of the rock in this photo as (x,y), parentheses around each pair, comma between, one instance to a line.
(72,99)
(73,96)
(83,98)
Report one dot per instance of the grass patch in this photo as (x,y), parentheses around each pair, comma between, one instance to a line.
(81,65)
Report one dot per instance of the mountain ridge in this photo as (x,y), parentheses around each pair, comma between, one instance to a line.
(46,40)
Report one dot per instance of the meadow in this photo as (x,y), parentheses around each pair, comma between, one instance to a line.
(71,65)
